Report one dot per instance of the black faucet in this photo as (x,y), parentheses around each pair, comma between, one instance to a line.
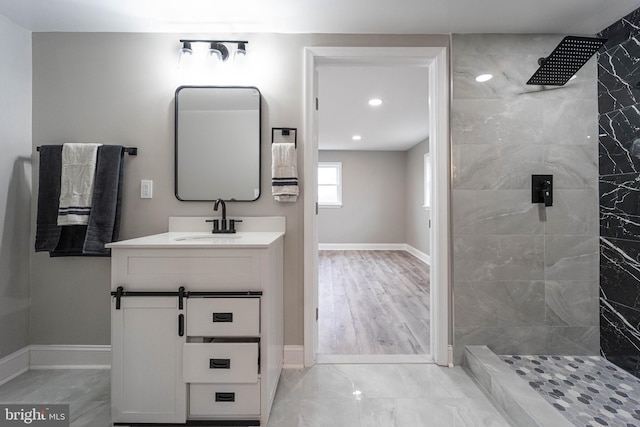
(220,226)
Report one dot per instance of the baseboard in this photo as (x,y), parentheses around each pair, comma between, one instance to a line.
(14,364)
(376,247)
(418,254)
(70,357)
(293,357)
(361,246)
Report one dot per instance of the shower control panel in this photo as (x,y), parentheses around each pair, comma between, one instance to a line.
(542,189)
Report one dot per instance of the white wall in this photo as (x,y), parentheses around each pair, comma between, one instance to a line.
(119,88)
(373,198)
(417,217)
(15,185)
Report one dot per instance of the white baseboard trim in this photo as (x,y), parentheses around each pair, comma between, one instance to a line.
(70,357)
(361,246)
(419,254)
(14,364)
(376,247)
(293,357)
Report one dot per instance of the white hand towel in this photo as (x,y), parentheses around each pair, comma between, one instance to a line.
(76,183)
(284,172)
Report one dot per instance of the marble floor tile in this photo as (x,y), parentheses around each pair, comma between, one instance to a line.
(340,395)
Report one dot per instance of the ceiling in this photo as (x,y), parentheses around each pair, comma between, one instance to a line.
(398,124)
(318,16)
(344,90)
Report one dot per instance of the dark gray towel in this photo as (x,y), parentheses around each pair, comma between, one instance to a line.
(47,230)
(104,220)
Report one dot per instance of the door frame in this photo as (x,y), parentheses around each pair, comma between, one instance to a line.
(436,59)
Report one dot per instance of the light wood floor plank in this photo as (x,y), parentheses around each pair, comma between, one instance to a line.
(373,302)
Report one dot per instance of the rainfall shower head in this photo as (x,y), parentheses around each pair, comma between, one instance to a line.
(565,60)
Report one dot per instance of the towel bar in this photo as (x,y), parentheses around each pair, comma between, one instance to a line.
(132,151)
(286,132)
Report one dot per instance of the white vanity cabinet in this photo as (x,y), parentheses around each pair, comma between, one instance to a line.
(197,328)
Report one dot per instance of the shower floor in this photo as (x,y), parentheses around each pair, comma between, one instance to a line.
(588,391)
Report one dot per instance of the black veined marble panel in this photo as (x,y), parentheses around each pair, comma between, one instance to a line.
(620,271)
(619,76)
(622,30)
(620,206)
(617,158)
(619,335)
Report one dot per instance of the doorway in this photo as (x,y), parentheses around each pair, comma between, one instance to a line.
(373,293)
(436,61)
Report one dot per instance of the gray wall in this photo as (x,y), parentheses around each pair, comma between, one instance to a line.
(15,185)
(417,217)
(118,88)
(373,198)
(525,278)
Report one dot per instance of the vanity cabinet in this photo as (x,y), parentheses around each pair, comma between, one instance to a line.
(197,330)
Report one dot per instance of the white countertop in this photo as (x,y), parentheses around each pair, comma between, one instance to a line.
(201,240)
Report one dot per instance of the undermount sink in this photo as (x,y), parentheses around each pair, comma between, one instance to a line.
(205,237)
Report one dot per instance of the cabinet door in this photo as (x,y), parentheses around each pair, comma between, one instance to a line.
(146,378)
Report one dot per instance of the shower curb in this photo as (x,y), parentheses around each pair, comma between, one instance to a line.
(508,392)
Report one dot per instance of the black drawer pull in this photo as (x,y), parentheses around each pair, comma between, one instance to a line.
(223,317)
(225,397)
(219,363)
(181,325)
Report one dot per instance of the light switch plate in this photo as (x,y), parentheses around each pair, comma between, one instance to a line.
(146,189)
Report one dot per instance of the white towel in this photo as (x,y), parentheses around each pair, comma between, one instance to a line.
(76,183)
(284,172)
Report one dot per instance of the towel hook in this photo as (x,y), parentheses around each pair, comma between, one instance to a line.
(285,132)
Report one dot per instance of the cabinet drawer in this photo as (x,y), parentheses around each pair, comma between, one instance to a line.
(224,399)
(220,363)
(223,317)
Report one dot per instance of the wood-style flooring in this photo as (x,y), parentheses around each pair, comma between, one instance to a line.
(372,302)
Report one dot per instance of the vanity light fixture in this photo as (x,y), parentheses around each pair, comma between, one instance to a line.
(219,50)
(185,52)
(484,78)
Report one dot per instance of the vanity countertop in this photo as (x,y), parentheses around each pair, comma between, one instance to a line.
(201,240)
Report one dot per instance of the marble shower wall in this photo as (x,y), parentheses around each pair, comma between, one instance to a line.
(618,103)
(525,277)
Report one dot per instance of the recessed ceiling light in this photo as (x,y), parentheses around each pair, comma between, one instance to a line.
(356,137)
(375,102)
(484,78)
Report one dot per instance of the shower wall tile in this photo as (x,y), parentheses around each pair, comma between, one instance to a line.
(571,302)
(617,158)
(620,206)
(495,212)
(571,257)
(620,271)
(564,340)
(622,30)
(498,44)
(501,303)
(493,166)
(574,212)
(570,121)
(619,164)
(622,126)
(491,258)
(498,121)
(572,166)
(524,276)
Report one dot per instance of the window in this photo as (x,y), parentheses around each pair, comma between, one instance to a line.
(330,184)
(427,181)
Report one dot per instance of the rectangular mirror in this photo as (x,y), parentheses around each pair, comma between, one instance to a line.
(217,143)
